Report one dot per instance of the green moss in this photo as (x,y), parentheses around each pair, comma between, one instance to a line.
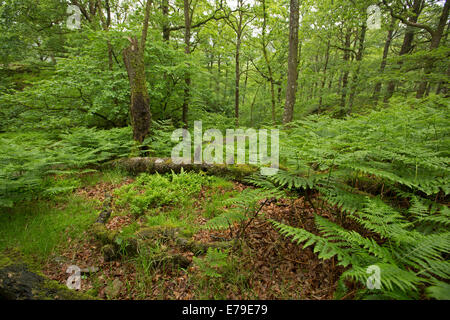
(42,290)
(51,290)
(4,261)
(13,256)
(104,235)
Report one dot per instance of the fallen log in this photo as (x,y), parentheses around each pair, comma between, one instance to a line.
(165,165)
(21,280)
(167,234)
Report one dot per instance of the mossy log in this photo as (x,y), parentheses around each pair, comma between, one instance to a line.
(166,260)
(21,280)
(166,234)
(106,212)
(200,248)
(165,165)
(113,248)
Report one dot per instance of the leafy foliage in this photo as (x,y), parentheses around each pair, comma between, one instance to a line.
(242,207)
(159,190)
(388,173)
(213,263)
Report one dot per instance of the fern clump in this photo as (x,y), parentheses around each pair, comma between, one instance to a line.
(149,191)
(29,161)
(388,173)
(214,262)
(244,206)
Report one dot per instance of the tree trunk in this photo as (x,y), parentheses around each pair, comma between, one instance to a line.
(133,57)
(187,51)
(387,44)
(293,57)
(237,71)
(237,80)
(165,12)
(266,59)
(359,56)
(327,57)
(435,41)
(346,58)
(406,46)
(245,84)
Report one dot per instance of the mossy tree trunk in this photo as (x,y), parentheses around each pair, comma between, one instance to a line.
(133,57)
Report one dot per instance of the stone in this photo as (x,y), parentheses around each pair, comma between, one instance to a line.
(113,290)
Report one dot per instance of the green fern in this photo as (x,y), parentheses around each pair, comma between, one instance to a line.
(389,178)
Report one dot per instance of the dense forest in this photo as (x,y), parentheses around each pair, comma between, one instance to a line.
(96,95)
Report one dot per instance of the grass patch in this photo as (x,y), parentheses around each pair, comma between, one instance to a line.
(38,227)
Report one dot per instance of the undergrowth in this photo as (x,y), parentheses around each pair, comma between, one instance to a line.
(387,172)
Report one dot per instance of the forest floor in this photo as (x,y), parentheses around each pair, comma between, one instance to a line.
(265,265)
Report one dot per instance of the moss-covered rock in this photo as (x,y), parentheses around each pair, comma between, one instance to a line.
(102,234)
(21,280)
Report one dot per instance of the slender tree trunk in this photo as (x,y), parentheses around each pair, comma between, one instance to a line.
(435,41)
(443,85)
(187,51)
(293,56)
(387,44)
(165,12)
(237,80)
(266,59)
(359,56)
(218,76)
(133,57)
(245,84)
(324,78)
(406,46)
(251,107)
(237,64)
(225,89)
(346,58)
